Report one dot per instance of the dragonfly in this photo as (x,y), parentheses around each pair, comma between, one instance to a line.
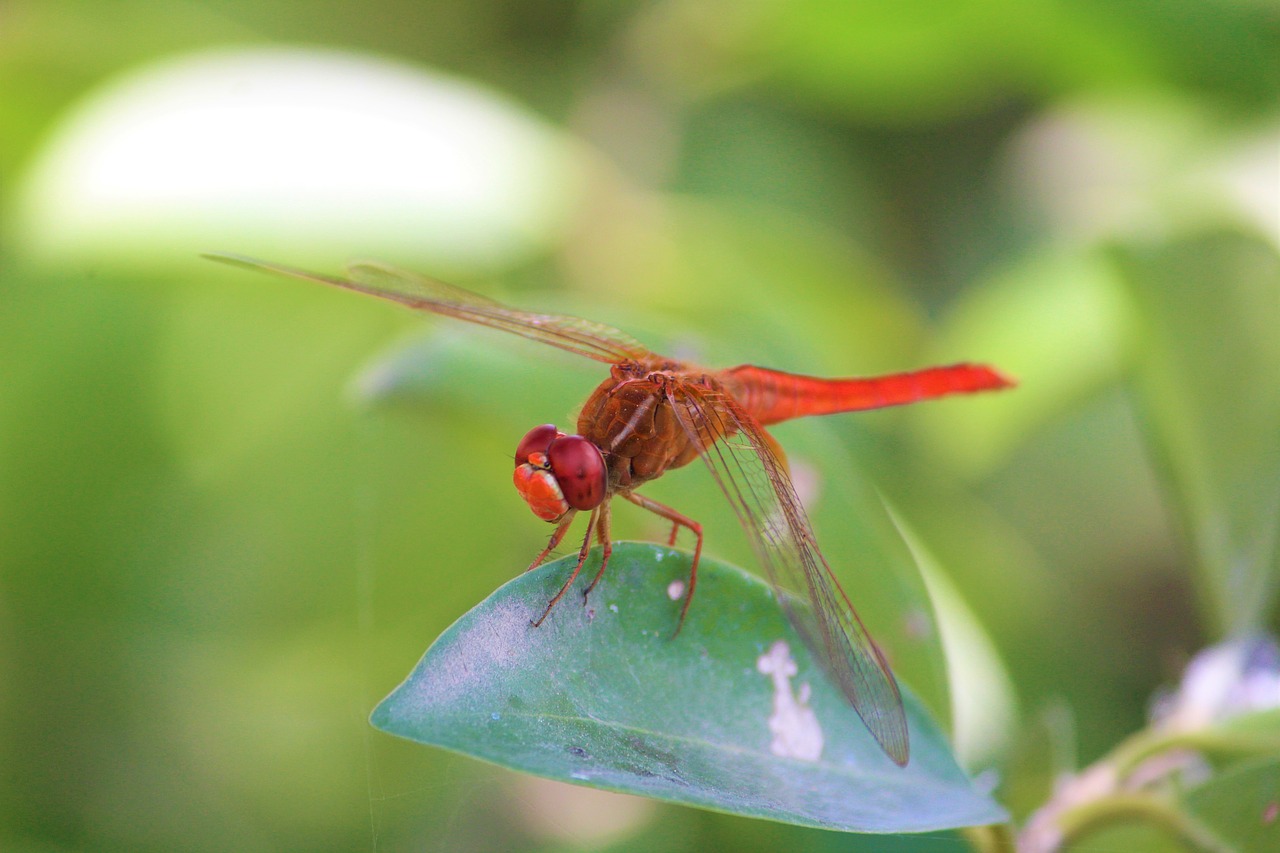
(653,414)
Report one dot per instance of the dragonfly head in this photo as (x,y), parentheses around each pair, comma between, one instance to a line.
(557,473)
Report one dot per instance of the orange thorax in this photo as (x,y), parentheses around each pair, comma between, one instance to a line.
(631,419)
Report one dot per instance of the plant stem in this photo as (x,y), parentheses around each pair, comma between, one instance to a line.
(1148,808)
(993,838)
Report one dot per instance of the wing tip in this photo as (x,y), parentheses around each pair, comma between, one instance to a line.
(899,752)
(888,725)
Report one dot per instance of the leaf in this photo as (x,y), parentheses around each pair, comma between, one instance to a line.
(1207,375)
(1242,805)
(603,695)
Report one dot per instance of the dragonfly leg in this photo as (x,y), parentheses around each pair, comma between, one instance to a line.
(561,529)
(606,548)
(677,520)
(582,558)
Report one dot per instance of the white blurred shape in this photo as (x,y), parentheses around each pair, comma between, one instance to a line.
(1250,174)
(293,152)
(793,724)
(807,480)
(1233,678)
(1107,169)
(1090,185)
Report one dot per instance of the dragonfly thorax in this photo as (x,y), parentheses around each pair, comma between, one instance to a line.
(557,473)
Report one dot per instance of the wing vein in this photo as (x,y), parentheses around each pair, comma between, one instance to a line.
(750,472)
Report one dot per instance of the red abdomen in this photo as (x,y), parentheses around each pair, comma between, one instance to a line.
(773,396)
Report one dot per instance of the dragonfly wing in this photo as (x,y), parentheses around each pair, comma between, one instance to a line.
(750,471)
(422,293)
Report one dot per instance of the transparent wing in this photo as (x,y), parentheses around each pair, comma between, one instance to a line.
(749,468)
(421,293)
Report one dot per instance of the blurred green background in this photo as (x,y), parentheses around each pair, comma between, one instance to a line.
(235,510)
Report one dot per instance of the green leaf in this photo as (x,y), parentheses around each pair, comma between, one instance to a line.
(1207,374)
(603,695)
(1242,805)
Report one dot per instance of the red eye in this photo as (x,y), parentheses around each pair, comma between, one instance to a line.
(579,469)
(536,440)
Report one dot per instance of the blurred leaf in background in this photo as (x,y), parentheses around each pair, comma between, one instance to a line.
(225,497)
(1212,405)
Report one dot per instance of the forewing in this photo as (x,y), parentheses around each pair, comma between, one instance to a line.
(421,293)
(753,476)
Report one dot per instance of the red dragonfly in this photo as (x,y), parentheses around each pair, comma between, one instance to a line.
(653,414)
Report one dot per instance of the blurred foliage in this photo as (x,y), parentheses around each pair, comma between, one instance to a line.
(217,532)
(1213,403)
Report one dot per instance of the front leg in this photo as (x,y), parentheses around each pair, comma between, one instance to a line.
(582,558)
(561,529)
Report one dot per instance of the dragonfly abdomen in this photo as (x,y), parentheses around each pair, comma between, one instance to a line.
(772,396)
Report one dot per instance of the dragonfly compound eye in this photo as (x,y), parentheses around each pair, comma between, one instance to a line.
(579,469)
(536,440)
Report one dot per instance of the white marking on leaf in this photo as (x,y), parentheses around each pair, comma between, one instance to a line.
(675,589)
(795,728)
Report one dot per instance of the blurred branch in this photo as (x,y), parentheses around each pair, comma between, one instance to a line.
(1141,779)
(994,838)
(1052,830)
